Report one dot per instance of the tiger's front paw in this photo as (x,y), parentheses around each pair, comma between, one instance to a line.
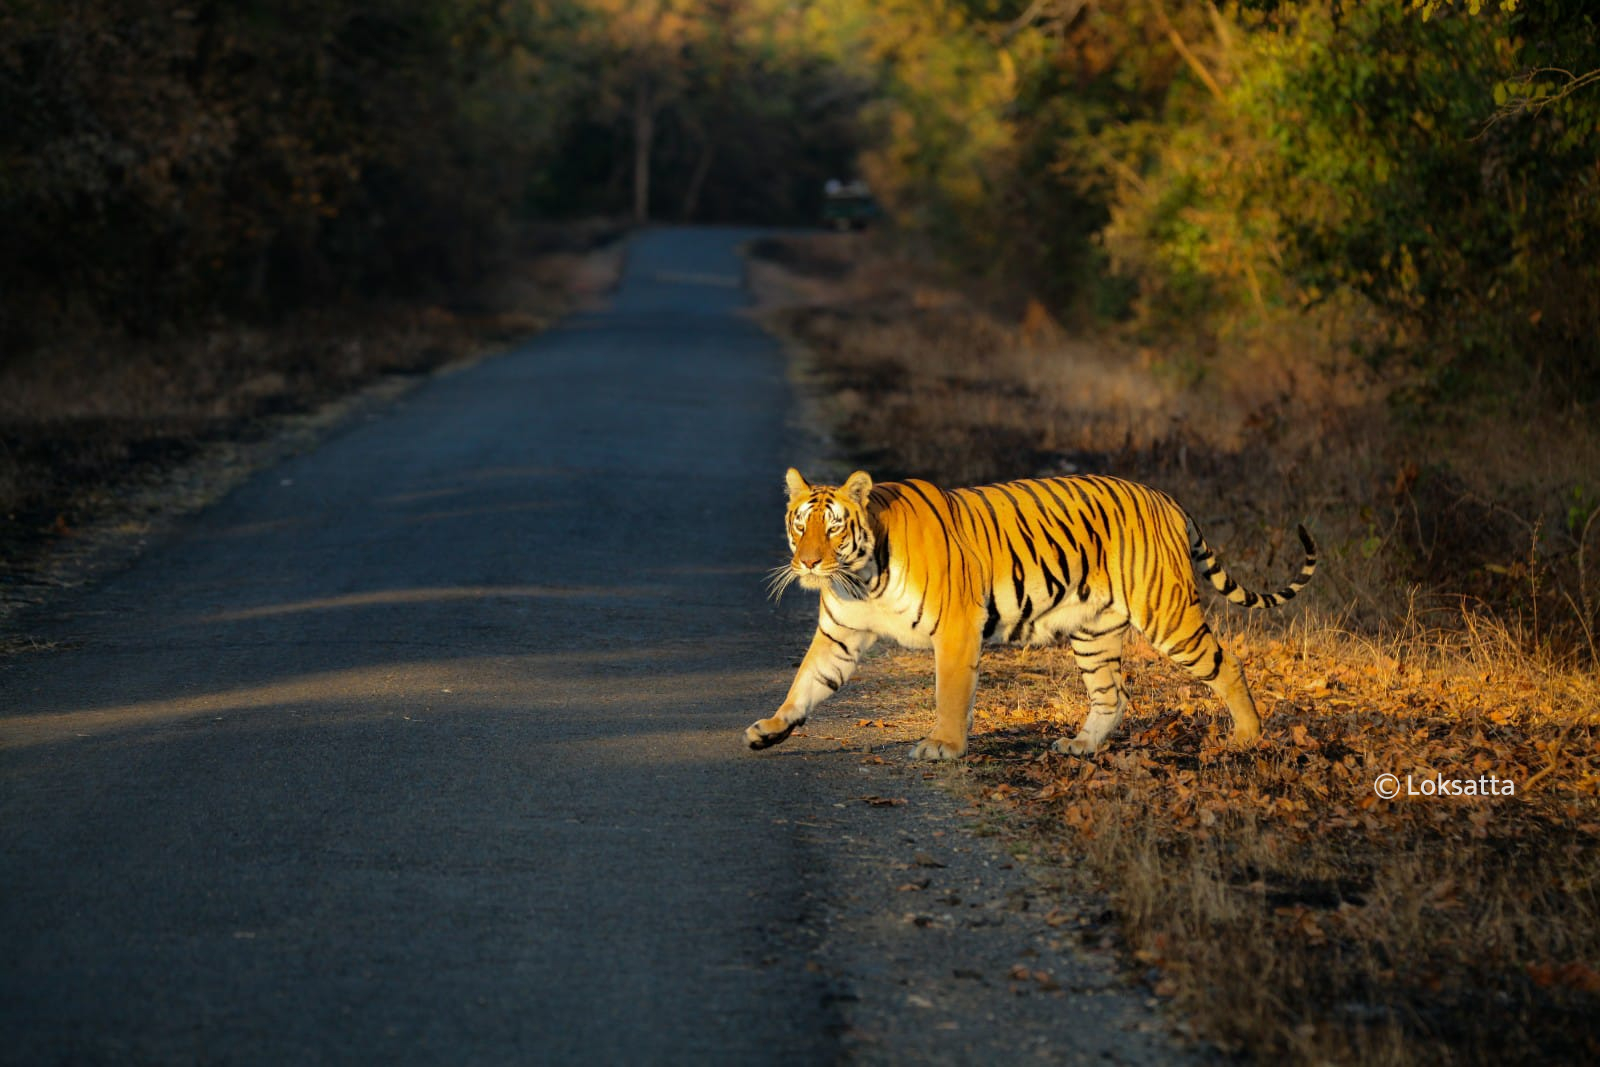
(1244,737)
(1076,746)
(764,733)
(937,748)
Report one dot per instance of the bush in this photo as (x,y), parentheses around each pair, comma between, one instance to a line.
(1397,173)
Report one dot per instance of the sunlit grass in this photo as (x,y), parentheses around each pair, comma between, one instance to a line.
(1290,911)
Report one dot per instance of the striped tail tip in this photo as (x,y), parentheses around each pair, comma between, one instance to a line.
(1211,569)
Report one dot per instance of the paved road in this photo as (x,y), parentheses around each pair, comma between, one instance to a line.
(424,747)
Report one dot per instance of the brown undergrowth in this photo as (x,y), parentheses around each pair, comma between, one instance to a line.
(1286,907)
(93,426)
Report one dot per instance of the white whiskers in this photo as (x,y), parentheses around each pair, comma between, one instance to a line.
(847,584)
(779,579)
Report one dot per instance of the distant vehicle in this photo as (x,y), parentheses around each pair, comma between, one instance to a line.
(849,205)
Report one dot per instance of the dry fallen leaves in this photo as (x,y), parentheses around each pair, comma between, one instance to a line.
(1350,890)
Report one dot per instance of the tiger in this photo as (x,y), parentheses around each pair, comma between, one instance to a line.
(1024,562)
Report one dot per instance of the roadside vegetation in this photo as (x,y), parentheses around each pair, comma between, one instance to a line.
(1273,895)
(226,210)
(100,442)
(1288,259)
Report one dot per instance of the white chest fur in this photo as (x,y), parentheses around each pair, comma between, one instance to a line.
(904,617)
(890,615)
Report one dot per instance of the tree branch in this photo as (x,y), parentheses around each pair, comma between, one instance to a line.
(1528,105)
(1183,50)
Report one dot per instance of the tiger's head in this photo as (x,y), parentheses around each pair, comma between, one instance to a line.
(830,537)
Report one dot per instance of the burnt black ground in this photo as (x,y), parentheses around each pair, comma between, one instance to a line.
(423,747)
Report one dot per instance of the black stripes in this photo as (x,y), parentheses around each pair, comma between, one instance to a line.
(1007,559)
(835,620)
(1309,545)
(842,646)
(929,566)
(1210,568)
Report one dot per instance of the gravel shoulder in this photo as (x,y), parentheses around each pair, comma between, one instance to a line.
(938,944)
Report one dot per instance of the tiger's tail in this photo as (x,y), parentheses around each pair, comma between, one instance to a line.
(1205,560)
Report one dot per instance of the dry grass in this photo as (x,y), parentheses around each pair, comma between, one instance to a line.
(1289,910)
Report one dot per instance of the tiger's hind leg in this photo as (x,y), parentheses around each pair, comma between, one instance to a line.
(1100,661)
(1191,645)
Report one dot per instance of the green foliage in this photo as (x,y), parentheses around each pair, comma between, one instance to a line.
(748,111)
(1419,176)
(160,163)
(1338,156)
(237,155)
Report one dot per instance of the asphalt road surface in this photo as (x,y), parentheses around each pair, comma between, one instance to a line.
(424,747)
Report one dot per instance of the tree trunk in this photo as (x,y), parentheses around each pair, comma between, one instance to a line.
(644,132)
(697,180)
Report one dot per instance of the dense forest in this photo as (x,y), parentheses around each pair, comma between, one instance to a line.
(162,161)
(1415,179)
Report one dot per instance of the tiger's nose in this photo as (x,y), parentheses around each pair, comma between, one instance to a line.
(808,561)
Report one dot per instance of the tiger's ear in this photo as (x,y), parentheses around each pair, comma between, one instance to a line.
(857,486)
(797,485)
